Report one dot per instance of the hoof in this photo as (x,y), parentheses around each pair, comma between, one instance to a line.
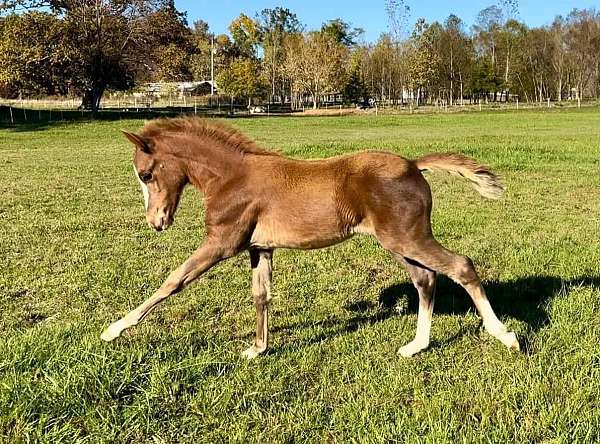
(252,352)
(111,333)
(510,340)
(410,349)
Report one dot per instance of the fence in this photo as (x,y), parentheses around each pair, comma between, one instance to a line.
(50,110)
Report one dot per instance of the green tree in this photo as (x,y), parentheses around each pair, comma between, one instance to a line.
(31,46)
(315,64)
(275,26)
(342,32)
(242,79)
(246,35)
(355,90)
(423,61)
(107,42)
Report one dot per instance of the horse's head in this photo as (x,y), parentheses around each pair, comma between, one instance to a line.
(162,179)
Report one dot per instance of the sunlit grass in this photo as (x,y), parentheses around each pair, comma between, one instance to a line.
(76,254)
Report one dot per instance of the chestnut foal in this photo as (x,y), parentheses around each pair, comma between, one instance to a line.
(259,200)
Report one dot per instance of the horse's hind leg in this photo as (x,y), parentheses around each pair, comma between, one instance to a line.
(424,281)
(262,270)
(432,255)
(425,251)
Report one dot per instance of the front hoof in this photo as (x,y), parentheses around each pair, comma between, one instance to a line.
(252,352)
(410,349)
(510,340)
(111,333)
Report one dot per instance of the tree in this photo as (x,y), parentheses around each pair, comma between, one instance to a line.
(201,40)
(457,55)
(398,12)
(315,64)
(485,30)
(559,54)
(107,42)
(30,61)
(246,35)
(423,61)
(384,68)
(242,78)
(342,32)
(275,26)
(583,40)
(170,45)
(355,90)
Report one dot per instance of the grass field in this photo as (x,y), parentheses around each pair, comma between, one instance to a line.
(76,254)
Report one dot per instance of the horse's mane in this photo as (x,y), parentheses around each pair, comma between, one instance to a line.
(206,128)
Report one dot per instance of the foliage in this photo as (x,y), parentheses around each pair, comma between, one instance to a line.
(108,41)
(246,35)
(33,54)
(315,64)
(355,90)
(342,32)
(87,47)
(241,78)
(275,27)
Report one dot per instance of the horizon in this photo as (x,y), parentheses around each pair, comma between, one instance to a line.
(373,19)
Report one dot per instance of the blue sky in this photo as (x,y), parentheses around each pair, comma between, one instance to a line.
(370,14)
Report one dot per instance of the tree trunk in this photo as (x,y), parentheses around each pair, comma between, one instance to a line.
(91,98)
(451,77)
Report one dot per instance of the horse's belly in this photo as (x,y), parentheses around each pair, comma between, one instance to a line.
(297,234)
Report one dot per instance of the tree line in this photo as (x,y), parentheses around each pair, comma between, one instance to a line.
(84,48)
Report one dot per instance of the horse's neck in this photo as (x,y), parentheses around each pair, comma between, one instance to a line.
(210,165)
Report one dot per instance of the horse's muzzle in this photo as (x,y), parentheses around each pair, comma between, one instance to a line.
(160,221)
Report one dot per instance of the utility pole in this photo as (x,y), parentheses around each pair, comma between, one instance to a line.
(212,65)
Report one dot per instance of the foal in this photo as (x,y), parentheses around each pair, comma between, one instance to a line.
(259,200)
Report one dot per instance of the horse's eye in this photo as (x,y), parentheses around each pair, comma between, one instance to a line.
(146,176)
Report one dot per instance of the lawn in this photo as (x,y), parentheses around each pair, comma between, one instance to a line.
(76,254)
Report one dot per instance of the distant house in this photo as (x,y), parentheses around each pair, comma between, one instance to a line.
(159,89)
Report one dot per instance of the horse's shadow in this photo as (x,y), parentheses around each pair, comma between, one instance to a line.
(524,299)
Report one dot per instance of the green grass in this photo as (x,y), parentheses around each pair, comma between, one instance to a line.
(76,254)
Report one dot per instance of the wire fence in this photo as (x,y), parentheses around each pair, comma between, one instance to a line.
(68,109)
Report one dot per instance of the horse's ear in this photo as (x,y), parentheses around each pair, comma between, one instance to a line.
(138,141)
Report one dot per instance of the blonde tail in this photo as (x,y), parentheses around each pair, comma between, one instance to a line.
(480,176)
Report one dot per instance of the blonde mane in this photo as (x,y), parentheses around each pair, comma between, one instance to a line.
(205,128)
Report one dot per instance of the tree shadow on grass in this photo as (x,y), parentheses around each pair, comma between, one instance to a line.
(29,120)
(524,299)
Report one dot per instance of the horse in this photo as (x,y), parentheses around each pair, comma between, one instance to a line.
(260,200)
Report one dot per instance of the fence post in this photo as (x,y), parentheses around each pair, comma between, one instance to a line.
(548,102)
(12,119)
(195,107)
(517,103)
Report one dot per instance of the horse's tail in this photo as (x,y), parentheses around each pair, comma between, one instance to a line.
(480,176)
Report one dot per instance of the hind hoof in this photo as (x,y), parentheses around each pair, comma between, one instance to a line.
(510,340)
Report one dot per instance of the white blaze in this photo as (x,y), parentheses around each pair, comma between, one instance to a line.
(144,188)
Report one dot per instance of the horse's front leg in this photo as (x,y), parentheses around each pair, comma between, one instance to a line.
(200,261)
(262,271)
